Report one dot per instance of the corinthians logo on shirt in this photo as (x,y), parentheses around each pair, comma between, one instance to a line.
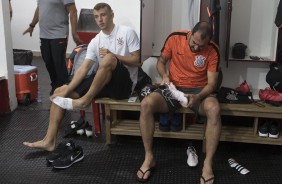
(120,41)
(199,61)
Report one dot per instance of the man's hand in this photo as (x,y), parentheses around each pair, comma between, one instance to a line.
(165,80)
(192,99)
(103,52)
(28,30)
(61,93)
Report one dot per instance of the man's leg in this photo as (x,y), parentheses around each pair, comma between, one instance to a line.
(56,115)
(210,107)
(58,50)
(102,77)
(46,53)
(149,105)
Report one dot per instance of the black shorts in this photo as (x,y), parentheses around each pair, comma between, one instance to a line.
(119,87)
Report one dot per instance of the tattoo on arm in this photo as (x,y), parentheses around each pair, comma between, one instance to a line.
(163,59)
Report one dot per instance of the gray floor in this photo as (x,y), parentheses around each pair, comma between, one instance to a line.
(118,163)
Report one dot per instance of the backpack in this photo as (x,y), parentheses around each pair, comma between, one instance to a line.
(229,95)
(76,58)
(239,51)
(274,77)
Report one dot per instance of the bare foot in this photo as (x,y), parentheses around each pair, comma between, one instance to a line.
(40,145)
(79,104)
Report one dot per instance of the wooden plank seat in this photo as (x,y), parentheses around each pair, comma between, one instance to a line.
(246,134)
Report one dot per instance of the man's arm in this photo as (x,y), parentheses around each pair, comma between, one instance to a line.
(132,60)
(161,67)
(33,22)
(73,21)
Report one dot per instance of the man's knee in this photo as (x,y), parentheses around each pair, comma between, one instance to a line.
(109,60)
(212,110)
(146,105)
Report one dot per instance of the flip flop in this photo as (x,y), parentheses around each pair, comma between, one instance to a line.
(233,163)
(207,180)
(142,180)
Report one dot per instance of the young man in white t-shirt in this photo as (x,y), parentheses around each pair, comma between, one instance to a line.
(117,50)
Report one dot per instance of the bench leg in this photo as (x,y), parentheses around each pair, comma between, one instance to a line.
(108,120)
(96,118)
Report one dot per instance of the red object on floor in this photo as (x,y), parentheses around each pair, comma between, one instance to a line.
(26,81)
(4,97)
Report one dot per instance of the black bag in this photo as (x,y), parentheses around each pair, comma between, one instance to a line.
(274,77)
(22,57)
(239,51)
(229,95)
(145,91)
(143,80)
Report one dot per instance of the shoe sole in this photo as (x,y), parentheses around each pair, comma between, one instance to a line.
(67,166)
(274,136)
(192,165)
(263,134)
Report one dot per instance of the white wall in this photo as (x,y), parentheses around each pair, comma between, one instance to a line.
(6,53)
(24,11)
(166,20)
(166,13)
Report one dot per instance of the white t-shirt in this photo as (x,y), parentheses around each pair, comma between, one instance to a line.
(122,41)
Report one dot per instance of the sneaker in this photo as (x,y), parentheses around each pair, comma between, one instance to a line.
(274,130)
(88,131)
(69,158)
(176,123)
(164,124)
(263,129)
(244,88)
(75,128)
(192,159)
(270,95)
(60,150)
(178,95)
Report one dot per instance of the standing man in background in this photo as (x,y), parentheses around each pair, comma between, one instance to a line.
(53,17)
(278,22)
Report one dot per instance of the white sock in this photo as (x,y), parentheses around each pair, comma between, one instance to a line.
(65,103)
(178,95)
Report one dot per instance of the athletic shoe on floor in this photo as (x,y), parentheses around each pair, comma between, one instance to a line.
(61,149)
(69,158)
(192,159)
(178,95)
(274,130)
(75,127)
(263,129)
(88,131)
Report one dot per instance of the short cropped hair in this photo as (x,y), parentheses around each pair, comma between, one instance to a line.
(102,5)
(204,28)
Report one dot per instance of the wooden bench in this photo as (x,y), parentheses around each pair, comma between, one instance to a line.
(245,134)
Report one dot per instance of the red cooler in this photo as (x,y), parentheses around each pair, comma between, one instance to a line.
(26,81)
